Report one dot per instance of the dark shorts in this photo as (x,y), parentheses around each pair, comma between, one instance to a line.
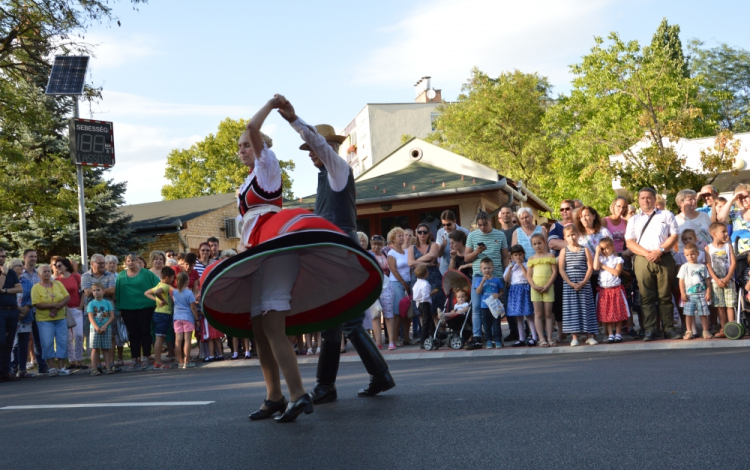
(162,322)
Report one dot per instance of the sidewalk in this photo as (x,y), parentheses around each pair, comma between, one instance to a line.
(413,352)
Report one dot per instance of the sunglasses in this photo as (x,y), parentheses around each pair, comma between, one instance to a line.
(565,209)
(377,238)
(422,232)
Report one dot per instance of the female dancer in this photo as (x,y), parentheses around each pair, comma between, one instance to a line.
(294,273)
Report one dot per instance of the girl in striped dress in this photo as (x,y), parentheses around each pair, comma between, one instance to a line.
(579,311)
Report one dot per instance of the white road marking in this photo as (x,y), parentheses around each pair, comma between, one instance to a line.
(108,405)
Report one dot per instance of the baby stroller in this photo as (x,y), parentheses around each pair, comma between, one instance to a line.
(459,327)
(739,328)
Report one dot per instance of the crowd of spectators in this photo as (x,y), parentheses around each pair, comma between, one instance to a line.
(642,274)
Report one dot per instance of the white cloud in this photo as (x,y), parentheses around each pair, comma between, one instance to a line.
(112,51)
(446,39)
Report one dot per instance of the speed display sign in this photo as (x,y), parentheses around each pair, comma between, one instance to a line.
(92,143)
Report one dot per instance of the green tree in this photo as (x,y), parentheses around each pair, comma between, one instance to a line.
(39,188)
(107,229)
(624,94)
(211,166)
(723,75)
(498,122)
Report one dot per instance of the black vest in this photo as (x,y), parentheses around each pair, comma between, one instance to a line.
(337,207)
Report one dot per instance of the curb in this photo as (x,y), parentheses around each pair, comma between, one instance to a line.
(447,353)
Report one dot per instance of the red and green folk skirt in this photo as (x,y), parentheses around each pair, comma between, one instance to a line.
(337,279)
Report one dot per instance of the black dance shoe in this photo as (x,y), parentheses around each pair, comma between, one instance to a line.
(378,383)
(295,408)
(273,407)
(323,393)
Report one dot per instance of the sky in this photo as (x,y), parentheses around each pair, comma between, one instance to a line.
(176,68)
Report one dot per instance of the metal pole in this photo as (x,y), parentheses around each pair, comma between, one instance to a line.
(81,207)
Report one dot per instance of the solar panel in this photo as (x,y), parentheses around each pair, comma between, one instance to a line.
(68,75)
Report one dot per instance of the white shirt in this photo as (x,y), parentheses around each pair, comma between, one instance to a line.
(662,226)
(338,169)
(402,265)
(607,279)
(267,174)
(517,276)
(421,291)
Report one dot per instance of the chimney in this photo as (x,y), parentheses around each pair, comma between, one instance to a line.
(425,93)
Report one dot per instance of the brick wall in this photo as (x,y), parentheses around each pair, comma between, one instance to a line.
(197,231)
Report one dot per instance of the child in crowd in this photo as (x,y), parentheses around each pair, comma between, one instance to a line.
(541,276)
(185,315)
(721,265)
(611,304)
(101,315)
(162,295)
(519,294)
(488,286)
(687,236)
(695,291)
(460,308)
(579,312)
(423,300)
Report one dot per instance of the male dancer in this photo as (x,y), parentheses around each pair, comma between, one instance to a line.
(335,202)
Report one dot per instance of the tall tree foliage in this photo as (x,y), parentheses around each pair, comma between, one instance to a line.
(39,188)
(211,166)
(624,94)
(723,75)
(498,122)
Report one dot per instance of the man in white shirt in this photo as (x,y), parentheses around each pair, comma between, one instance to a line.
(651,235)
(336,202)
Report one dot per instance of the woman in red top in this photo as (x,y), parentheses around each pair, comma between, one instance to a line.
(295,273)
(72,282)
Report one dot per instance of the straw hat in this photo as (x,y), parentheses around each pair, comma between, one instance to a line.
(328,132)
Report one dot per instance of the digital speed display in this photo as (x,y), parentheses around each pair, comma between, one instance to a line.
(92,143)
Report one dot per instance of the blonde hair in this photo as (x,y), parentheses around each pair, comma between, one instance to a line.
(394,233)
(153,256)
(15,262)
(421,271)
(182,281)
(363,237)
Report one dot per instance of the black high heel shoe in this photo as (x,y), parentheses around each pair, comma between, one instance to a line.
(273,407)
(295,408)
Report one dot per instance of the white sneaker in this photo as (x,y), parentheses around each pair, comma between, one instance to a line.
(63,371)
(591,341)
(52,372)
(574,342)
(317,351)
(310,352)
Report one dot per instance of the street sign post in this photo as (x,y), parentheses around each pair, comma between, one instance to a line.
(92,143)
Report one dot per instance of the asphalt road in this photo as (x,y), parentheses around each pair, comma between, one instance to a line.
(670,409)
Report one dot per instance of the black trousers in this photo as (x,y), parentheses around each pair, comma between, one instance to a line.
(428,326)
(138,323)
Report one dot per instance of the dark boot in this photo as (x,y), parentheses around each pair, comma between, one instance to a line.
(328,369)
(380,378)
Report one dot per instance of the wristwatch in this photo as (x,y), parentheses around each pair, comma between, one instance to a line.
(661,248)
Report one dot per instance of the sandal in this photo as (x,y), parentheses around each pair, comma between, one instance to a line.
(543,343)
(95,372)
(720,334)
(707,335)
(552,343)
(618,338)
(688,335)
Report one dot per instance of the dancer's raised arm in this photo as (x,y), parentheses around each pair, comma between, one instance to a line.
(256,122)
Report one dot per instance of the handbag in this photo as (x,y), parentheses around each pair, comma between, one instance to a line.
(122,331)
(70,318)
(406,307)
